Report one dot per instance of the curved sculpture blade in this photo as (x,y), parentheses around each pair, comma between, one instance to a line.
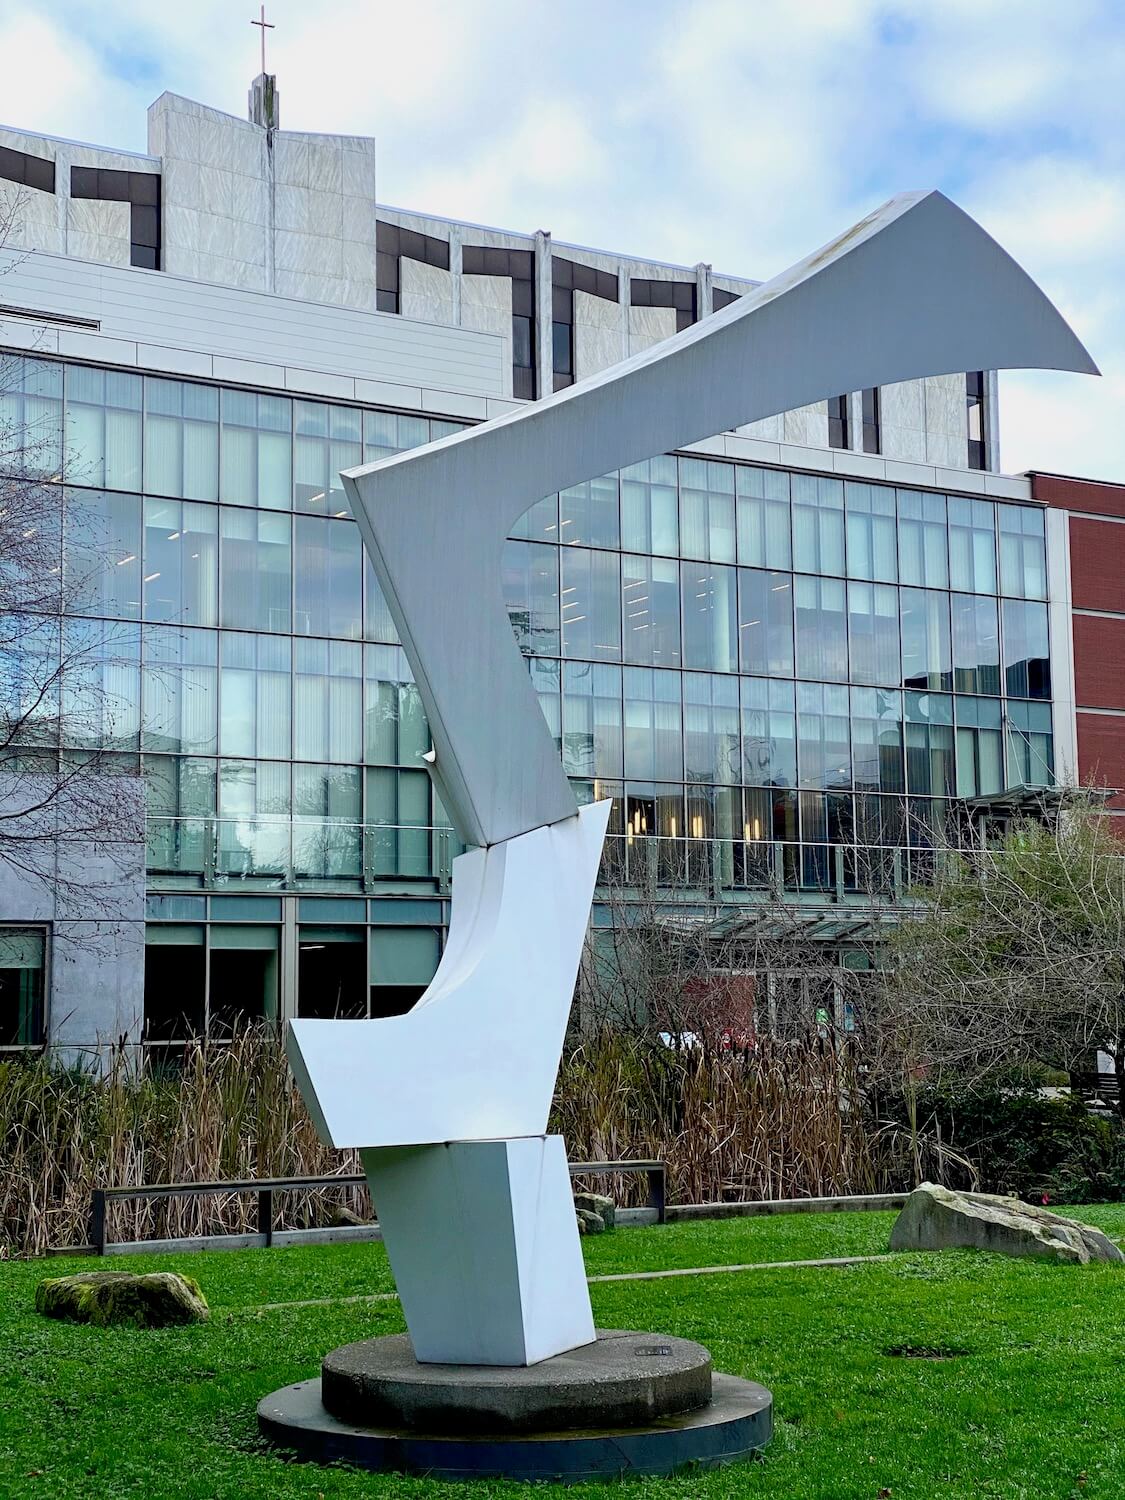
(915,289)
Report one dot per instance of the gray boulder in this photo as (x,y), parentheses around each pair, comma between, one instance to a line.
(597,1203)
(157,1300)
(589,1223)
(936,1218)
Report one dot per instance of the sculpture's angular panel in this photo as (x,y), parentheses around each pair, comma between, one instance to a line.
(915,289)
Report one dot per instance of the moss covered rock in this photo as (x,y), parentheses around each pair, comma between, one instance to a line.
(597,1203)
(157,1300)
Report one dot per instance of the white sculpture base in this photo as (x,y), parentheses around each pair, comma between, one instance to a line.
(484,1247)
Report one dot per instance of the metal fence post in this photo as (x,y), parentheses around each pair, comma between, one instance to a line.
(265,1214)
(657,1197)
(97,1220)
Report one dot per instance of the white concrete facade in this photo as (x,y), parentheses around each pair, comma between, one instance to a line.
(296,214)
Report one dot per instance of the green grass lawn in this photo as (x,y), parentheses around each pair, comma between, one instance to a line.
(1033,1407)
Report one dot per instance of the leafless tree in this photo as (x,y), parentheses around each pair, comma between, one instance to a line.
(61,802)
(1013,956)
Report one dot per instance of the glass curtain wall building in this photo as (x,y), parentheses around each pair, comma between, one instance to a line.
(782,678)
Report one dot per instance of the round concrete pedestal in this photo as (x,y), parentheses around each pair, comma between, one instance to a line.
(629,1403)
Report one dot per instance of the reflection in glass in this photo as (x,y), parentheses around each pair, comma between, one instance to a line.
(922,540)
(710,623)
(976,644)
(927,653)
(763,517)
(822,628)
(769,732)
(591,604)
(1027,656)
(650,597)
(871,532)
(765,622)
(531,594)
(707,510)
(972,545)
(648,507)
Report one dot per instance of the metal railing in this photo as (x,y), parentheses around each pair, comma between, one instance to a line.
(265,1188)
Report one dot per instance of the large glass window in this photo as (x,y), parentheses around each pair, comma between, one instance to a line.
(101,685)
(710,617)
(31,416)
(976,644)
(927,654)
(531,593)
(328,569)
(23,952)
(972,545)
(822,628)
(929,745)
(1031,759)
(254,810)
(103,428)
(872,540)
(180,798)
(823,735)
(1027,655)
(707,510)
(648,507)
(396,732)
(591,604)
(877,741)
(980,757)
(650,594)
(255,570)
(873,633)
(102,553)
(588,514)
(711,735)
(377,622)
(181,562)
(387,432)
(653,726)
(327,700)
(540,522)
(398,805)
(1023,552)
(763,517)
(546,679)
(765,622)
(818,524)
(30,666)
(591,721)
(327,819)
(922,540)
(769,732)
(256,450)
(181,439)
(180,699)
(255,689)
(326,440)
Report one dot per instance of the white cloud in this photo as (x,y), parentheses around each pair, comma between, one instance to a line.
(740,132)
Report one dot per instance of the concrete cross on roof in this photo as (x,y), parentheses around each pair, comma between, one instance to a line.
(266,26)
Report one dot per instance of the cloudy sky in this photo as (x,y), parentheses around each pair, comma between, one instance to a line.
(740,132)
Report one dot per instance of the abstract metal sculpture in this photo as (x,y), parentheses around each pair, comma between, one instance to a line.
(449,1103)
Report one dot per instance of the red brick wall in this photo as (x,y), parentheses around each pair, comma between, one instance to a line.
(1097,564)
(1101,751)
(1079,494)
(1099,663)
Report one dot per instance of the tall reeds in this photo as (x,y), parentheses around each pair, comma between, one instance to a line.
(772,1123)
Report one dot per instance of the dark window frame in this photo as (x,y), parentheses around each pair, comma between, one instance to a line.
(142,192)
(22,167)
